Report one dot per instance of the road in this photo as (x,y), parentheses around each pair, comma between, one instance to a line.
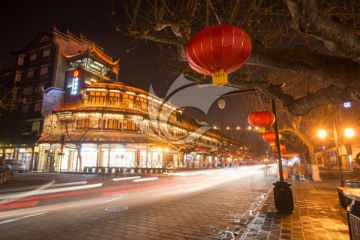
(190,205)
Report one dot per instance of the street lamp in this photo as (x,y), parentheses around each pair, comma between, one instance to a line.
(348,133)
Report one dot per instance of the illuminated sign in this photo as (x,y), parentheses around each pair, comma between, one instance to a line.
(75,83)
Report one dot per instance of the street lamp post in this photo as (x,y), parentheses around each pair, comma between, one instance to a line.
(349,133)
(338,155)
(282,192)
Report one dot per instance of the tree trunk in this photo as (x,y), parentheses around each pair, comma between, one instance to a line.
(315,173)
(79,158)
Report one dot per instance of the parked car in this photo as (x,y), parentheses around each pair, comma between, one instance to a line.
(15,165)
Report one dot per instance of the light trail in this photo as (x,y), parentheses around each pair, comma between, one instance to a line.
(48,191)
(141,192)
(39,186)
(125,178)
(20,218)
(146,179)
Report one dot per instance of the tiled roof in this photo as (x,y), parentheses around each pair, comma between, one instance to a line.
(99,136)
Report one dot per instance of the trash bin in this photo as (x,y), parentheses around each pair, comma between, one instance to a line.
(283,197)
(354,220)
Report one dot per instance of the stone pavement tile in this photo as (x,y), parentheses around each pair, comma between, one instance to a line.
(317,215)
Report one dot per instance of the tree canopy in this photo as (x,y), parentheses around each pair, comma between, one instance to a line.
(312,44)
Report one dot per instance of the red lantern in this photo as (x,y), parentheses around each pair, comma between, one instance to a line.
(207,150)
(76,73)
(198,149)
(218,50)
(217,153)
(282,148)
(261,119)
(270,136)
(290,155)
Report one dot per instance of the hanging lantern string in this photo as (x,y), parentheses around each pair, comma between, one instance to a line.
(214,12)
(262,104)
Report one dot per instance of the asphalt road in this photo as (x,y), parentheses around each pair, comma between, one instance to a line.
(189,205)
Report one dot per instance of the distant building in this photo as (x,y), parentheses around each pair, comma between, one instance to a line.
(81,117)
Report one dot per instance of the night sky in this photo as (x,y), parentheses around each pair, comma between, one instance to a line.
(22,20)
(140,62)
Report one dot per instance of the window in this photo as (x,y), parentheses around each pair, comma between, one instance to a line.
(25,108)
(130,125)
(18,76)
(21,60)
(83,123)
(28,90)
(128,100)
(113,124)
(98,98)
(37,107)
(46,53)
(114,99)
(141,103)
(35,126)
(30,73)
(33,57)
(44,69)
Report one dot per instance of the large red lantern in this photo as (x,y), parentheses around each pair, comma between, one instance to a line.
(218,50)
(261,119)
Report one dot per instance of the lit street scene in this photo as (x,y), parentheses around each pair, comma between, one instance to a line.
(192,119)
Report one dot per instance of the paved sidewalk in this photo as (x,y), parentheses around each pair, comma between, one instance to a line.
(317,215)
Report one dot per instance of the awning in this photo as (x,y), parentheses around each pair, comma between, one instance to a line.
(98,136)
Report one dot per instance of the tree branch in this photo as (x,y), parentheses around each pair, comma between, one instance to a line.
(307,19)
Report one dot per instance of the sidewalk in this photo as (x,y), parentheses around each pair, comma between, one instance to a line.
(317,215)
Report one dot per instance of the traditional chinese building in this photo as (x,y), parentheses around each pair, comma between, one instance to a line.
(82,118)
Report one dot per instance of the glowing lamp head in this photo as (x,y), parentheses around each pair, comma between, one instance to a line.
(76,73)
(221,103)
(349,132)
(322,134)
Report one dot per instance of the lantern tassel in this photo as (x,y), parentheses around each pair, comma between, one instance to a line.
(220,78)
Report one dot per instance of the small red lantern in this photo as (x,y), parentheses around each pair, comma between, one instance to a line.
(290,155)
(76,73)
(270,136)
(207,150)
(217,153)
(261,119)
(282,148)
(198,149)
(218,50)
